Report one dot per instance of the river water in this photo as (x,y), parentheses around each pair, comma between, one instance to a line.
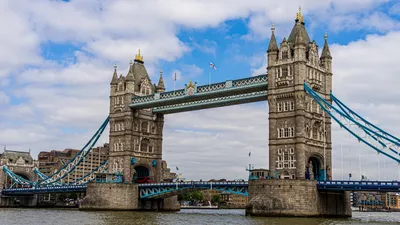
(17,216)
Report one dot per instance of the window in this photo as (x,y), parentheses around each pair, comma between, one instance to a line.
(285,106)
(145,127)
(285,55)
(279,107)
(287,160)
(286,134)
(291,105)
(144,145)
(291,132)
(284,71)
(281,132)
(291,71)
(315,132)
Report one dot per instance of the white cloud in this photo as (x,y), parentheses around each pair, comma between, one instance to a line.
(73,95)
(4,99)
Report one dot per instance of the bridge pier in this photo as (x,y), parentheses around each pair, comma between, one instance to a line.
(297,198)
(19,201)
(123,196)
(165,204)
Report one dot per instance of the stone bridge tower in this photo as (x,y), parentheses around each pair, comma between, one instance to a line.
(299,136)
(135,135)
(20,163)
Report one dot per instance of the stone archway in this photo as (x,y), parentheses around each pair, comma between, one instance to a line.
(142,171)
(315,168)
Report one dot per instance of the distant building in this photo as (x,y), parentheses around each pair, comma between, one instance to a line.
(209,193)
(19,162)
(391,200)
(230,199)
(50,162)
(167,175)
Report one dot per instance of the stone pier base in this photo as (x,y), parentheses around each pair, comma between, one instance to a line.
(165,204)
(116,196)
(19,201)
(110,196)
(298,198)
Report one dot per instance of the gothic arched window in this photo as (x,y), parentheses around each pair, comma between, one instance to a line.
(145,127)
(144,145)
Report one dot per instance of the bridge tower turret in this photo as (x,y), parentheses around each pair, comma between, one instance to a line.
(135,135)
(299,131)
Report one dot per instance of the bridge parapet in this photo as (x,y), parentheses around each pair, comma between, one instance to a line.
(359,185)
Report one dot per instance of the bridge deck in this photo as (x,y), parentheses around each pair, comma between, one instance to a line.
(230,92)
(156,189)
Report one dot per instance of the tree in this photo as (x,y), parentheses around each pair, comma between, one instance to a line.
(216,198)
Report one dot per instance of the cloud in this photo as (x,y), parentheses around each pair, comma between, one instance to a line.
(4,99)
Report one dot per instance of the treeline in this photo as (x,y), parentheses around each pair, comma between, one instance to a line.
(196,196)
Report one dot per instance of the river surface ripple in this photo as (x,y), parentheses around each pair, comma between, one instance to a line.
(17,216)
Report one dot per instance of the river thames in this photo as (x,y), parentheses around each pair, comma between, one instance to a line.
(11,216)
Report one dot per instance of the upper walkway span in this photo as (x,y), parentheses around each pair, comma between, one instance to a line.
(193,97)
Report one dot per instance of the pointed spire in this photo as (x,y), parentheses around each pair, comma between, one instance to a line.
(299,16)
(114,79)
(326,53)
(273,46)
(130,77)
(139,58)
(161,86)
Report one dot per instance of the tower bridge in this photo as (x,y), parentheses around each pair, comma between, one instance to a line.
(299,91)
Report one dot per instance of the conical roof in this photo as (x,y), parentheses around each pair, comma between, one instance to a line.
(161,82)
(114,79)
(326,53)
(298,33)
(273,46)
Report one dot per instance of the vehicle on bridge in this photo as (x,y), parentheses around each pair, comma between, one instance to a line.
(142,180)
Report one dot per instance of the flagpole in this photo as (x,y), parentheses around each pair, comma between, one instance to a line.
(209,77)
(174,82)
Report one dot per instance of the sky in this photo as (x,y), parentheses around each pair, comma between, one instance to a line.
(57,61)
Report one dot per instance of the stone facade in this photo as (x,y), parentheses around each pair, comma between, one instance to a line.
(299,130)
(20,163)
(110,196)
(298,198)
(135,135)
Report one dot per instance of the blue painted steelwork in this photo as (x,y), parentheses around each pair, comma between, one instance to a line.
(213,102)
(388,186)
(204,92)
(369,137)
(66,169)
(157,190)
(49,189)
